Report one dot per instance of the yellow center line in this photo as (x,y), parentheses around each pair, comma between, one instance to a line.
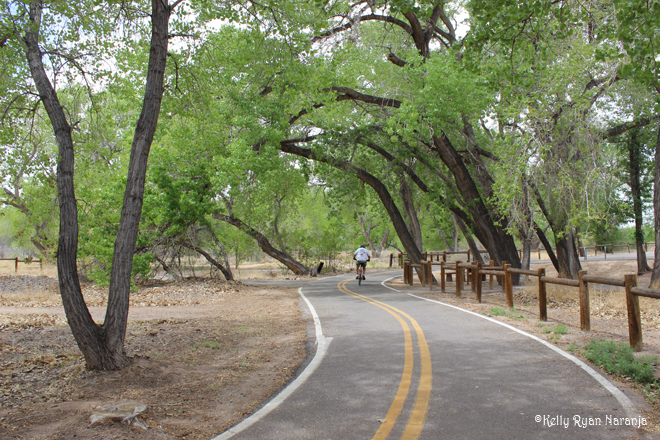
(404,385)
(418,416)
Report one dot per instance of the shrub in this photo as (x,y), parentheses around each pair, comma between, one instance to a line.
(618,358)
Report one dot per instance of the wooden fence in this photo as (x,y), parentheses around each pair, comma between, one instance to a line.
(26,261)
(474,273)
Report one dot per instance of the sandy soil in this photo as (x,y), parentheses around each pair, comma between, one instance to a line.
(204,354)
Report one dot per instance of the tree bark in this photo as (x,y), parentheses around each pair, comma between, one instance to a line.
(635,162)
(655,276)
(497,241)
(567,257)
(411,212)
(116,317)
(566,260)
(88,335)
(284,258)
(474,249)
(548,247)
(102,346)
(226,272)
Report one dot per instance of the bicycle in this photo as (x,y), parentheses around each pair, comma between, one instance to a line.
(360,272)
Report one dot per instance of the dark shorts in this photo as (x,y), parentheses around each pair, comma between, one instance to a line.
(361,263)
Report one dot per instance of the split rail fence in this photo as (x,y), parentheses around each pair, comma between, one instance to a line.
(26,261)
(474,273)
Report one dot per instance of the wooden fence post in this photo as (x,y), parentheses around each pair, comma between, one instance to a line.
(391,259)
(442,276)
(424,277)
(543,305)
(459,278)
(585,312)
(634,318)
(509,286)
(405,272)
(411,273)
(479,282)
(16,265)
(490,282)
(468,275)
(468,255)
(503,278)
(429,271)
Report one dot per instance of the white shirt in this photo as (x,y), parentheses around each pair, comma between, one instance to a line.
(362,254)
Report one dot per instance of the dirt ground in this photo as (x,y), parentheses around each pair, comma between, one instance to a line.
(205,353)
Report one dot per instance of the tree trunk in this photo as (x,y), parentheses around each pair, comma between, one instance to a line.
(226,272)
(548,247)
(497,241)
(635,161)
(399,224)
(116,317)
(655,277)
(167,268)
(87,334)
(264,244)
(474,249)
(102,347)
(569,263)
(566,261)
(411,212)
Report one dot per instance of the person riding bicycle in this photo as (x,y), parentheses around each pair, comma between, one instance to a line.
(361,256)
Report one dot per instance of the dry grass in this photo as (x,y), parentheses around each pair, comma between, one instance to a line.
(604,301)
(31,269)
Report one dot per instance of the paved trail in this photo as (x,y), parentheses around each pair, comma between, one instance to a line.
(391,365)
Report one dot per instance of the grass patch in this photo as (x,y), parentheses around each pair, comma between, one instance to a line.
(497,311)
(559,329)
(213,345)
(572,347)
(513,314)
(618,358)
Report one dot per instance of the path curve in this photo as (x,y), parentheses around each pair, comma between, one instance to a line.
(429,371)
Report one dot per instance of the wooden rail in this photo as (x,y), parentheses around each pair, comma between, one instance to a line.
(473,273)
(26,261)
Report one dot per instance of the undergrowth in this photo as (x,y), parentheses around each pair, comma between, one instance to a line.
(618,359)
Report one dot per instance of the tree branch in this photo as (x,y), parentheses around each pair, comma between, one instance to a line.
(370,17)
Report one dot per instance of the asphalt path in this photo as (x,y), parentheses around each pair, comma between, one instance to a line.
(389,365)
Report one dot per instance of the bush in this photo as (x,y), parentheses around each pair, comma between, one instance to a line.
(618,358)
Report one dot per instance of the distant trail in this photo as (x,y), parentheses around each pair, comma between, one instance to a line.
(401,367)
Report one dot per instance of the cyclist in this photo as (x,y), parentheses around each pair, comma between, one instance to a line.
(361,256)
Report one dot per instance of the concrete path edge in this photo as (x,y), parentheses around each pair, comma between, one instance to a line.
(322,344)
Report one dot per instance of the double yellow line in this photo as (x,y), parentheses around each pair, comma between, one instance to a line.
(418,416)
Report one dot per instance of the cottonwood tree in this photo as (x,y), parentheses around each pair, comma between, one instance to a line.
(36,35)
(555,88)
(394,132)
